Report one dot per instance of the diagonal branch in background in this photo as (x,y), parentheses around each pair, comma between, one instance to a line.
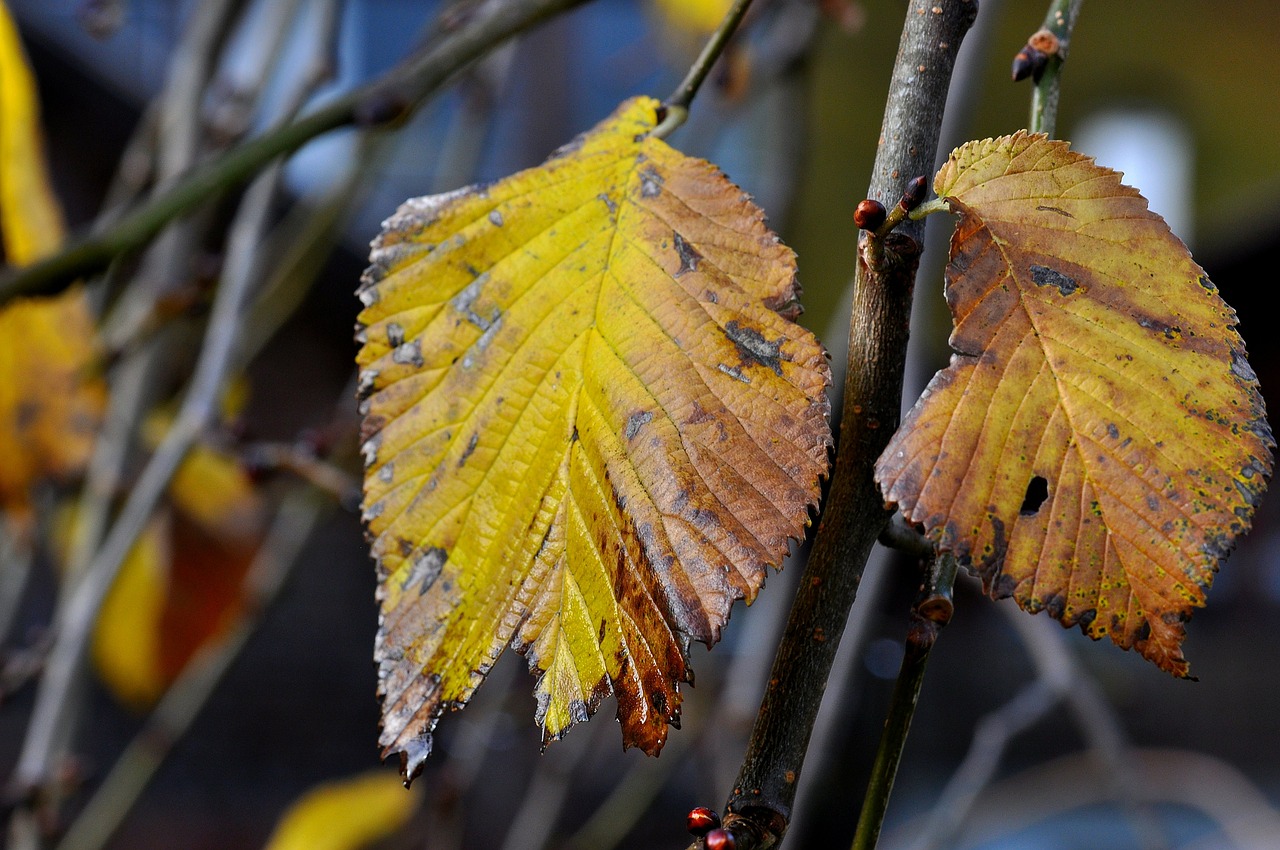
(759,809)
(132,772)
(385,101)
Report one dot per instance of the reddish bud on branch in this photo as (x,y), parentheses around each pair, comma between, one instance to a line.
(1034,56)
(720,839)
(914,194)
(702,820)
(869,215)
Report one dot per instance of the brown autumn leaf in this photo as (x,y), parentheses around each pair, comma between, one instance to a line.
(1098,443)
(182,584)
(590,426)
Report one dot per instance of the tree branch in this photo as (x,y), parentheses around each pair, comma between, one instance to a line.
(930,615)
(181,704)
(759,809)
(1051,43)
(677,104)
(387,100)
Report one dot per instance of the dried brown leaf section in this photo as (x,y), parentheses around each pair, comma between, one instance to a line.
(1098,443)
(590,426)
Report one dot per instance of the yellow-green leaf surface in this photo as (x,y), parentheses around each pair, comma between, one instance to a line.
(348,814)
(50,396)
(1098,442)
(590,426)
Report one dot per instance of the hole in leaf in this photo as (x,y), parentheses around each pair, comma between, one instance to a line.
(1037,492)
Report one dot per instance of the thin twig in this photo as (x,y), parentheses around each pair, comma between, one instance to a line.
(614,818)
(179,145)
(930,615)
(384,101)
(991,737)
(760,806)
(77,610)
(181,704)
(55,714)
(547,789)
(1059,678)
(677,104)
(238,90)
(1060,21)
(1248,820)
(298,461)
(1045,642)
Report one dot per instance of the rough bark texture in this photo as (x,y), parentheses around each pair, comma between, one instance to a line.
(759,808)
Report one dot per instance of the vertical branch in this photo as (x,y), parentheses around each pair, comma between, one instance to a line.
(1043,58)
(759,809)
(931,613)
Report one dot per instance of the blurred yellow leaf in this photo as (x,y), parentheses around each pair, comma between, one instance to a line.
(29,214)
(695,16)
(126,640)
(50,397)
(213,490)
(345,815)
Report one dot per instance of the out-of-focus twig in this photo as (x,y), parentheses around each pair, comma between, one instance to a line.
(79,605)
(298,461)
(1056,664)
(384,101)
(77,610)
(1246,817)
(297,518)
(1059,678)
(991,737)
(535,818)
(238,90)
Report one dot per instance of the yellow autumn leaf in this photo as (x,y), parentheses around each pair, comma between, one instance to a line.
(126,647)
(696,16)
(1098,443)
(345,815)
(50,396)
(590,426)
(29,215)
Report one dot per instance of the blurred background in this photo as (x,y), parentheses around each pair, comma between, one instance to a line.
(1030,736)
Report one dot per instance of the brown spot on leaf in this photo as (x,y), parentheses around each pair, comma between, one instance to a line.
(753,347)
(1045,276)
(689,256)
